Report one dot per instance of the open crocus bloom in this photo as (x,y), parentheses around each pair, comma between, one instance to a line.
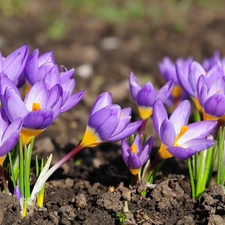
(13,65)
(212,98)
(189,80)
(39,109)
(136,155)
(9,134)
(145,96)
(43,68)
(177,138)
(108,122)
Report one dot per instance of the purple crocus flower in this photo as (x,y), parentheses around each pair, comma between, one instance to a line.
(108,122)
(43,68)
(39,109)
(136,155)
(38,66)
(178,138)
(168,71)
(13,65)
(145,96)
(9,134)
(189,80)
(212,97)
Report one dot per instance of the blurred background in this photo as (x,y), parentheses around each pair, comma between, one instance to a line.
(106,39)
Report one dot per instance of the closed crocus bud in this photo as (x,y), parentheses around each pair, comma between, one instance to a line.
(145,96)
(136,154)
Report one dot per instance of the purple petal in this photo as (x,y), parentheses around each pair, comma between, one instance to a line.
(13,105)
(52,77)
(15,126)
(126,111)
(214,73)
(7,83)
(217,86)
(122,124)
(4,121)
(196,70)
(46,57)
(135,87)
(215,105)
(181,153)
(167,69)
(180,116)
(146,96)
(103,100)
(133,161)
(130,129)
(209,62)
(9,143)
(54,94)
(37,94)
(202,90)
(145,154)
(197,130)
(105,121)
(65,76)
(159,114)
(164,92)
(167,133)
(57,108)
(39,119)
(15,62)
(199,144)
(125,148)
(72,101)
(44,73)
(183,80)
(31,69)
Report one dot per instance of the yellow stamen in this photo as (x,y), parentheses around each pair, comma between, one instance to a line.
(36,106)
(2,159)
(90,138)
(176,91)
(28,134)
(145,112)
(133,149)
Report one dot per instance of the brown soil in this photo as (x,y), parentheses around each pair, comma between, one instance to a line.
(94,187)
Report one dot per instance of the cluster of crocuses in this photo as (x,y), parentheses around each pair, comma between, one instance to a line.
(48,90)
(34,91)
(185,79)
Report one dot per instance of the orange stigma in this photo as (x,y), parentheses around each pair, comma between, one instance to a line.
(36,106)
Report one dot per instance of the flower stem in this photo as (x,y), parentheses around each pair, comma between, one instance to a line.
(142,128)
(43,177)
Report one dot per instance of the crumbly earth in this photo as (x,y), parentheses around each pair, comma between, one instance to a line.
(94,187)
(97,194)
